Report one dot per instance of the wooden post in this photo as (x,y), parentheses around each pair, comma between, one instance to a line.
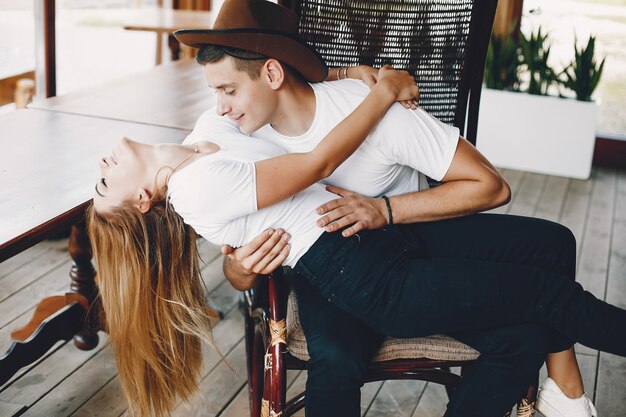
(45,43)
(24,91)
(508,11)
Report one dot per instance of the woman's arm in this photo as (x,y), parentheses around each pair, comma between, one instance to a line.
(364,73)
(369,76)
(283,176)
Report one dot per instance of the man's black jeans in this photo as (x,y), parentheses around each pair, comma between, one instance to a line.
(492,281)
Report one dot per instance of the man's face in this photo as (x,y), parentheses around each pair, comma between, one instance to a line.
(250,103)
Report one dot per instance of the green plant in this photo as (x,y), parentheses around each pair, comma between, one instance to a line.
(583,74)
(502,63)
(535,53)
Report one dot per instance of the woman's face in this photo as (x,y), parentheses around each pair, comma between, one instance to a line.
(122,176)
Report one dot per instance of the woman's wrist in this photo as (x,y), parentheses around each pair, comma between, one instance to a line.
(355,72)
(343,73)
(386,89)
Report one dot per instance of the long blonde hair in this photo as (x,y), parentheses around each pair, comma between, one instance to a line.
(153,301)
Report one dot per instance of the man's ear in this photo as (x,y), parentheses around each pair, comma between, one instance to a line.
(145,201)
(274,73)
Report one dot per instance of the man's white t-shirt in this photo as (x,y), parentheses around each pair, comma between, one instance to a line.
(216,195)
(403,143)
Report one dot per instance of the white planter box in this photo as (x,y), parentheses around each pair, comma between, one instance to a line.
(547,135)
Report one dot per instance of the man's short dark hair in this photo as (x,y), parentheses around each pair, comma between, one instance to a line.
(249,62)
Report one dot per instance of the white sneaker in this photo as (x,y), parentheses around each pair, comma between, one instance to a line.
(552,402)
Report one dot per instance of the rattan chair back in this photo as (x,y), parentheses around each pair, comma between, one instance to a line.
(443,43)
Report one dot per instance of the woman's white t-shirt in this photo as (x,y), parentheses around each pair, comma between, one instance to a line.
(216,195)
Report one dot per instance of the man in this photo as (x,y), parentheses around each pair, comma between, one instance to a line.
(260,79)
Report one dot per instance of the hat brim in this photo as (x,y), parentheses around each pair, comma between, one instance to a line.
(278,45)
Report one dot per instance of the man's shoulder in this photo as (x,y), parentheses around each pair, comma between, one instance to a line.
(349,87)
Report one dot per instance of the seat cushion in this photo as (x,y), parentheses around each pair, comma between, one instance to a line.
(438,347)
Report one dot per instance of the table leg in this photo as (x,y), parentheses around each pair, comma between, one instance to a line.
(83,282)
(60,317)
(159,47)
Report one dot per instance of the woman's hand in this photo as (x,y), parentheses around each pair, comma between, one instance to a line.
(369,76)
(400,83)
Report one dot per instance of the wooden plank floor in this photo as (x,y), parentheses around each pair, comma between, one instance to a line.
(69,382)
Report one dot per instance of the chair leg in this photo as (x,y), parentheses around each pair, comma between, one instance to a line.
(256,383)
(526,406)
(450,388)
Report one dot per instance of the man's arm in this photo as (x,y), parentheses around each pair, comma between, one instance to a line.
(470,185)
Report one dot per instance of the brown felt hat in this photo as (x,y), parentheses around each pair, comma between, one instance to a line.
(263,27)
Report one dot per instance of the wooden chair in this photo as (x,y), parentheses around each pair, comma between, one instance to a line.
(444,44)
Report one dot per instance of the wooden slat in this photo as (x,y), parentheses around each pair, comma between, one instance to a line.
(296,387)
(551,202)
(20,260)
(10,409)
(52,283)
(611,394)
(432,402)
(49,373)
(42,263)
(576,207)
(616,286)
(397,398)
(66,397)
(218,387)
(239,406)
(528,195)
(107,402)
(594,255)
(368,395)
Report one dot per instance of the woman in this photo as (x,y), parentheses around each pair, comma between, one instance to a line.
(156,329)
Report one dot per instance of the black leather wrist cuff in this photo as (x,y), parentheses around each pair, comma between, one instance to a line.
(389,214)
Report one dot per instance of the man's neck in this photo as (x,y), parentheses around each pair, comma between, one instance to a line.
(296,110)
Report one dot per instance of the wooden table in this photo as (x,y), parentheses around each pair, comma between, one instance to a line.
(48,169)
(174,94)
(167,21)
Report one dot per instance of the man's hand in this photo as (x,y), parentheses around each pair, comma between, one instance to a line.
(352,209)
(262,255)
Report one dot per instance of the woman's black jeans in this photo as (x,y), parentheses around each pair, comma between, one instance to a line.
(461,276)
